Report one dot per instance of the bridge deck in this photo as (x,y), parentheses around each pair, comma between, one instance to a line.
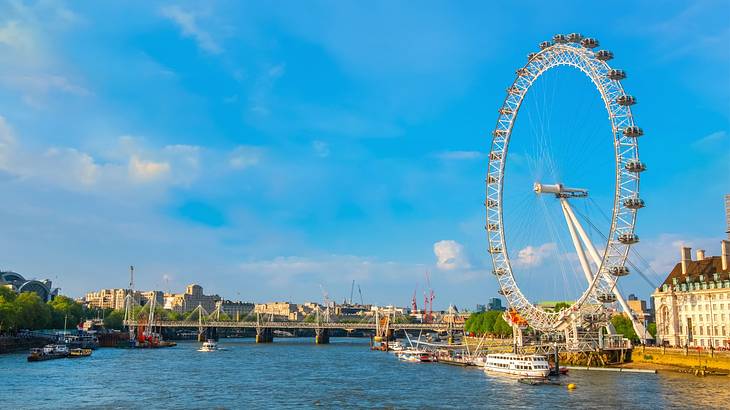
(295,325)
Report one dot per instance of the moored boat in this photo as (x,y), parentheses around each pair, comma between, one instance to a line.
(518,365)
(48,352)
(79,352)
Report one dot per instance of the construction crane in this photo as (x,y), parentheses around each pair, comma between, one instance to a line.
(428,301)
(362,301)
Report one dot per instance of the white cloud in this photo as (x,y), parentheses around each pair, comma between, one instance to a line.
(710,141)
(663,253)
(245,156)
(321,148)
(531,256)
(43,83)
(450,255)
(142,170)
(460,155)
(187,23)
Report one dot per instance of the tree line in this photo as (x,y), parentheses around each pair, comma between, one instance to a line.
(489,323)
(28,311)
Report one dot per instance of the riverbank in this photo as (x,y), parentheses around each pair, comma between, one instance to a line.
(12,344)
(679,360)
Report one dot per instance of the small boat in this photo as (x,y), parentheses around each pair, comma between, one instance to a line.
(410,355)
(518,365)
(427,357)
(209,346)
(396,347)
(79,352)
(534,381)
(48,352)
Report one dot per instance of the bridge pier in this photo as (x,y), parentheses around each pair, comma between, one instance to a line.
(321,336)
(264,335)
(208,333)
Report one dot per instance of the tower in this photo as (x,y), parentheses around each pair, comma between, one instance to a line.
(727,215)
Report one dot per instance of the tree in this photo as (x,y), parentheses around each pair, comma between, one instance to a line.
(624,326)
(32,312)
(560,306)
(501,327)
(65,310)
(652,329)
(114,320)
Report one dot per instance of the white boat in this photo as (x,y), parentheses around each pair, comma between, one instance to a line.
(518,365)
(396,347)
(209,346)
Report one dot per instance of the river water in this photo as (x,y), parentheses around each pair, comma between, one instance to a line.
(297,373)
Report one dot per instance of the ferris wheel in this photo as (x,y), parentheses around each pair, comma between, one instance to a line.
(601,264)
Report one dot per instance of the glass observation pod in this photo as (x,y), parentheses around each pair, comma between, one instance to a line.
(589,43)
(628,238)
(614,74)
(626,100)
(534,55)
(634,203)
(498,133)
(545,44)
(514,90)
(492,179)
(560,39)
(619,271)
(504,292)
(633,131)
(495,155)
(505,111)
(495,249)
(604,55)
(635,165)
(606,298)
(499,271)
(522,71)
(492,227)
(575,37)
(491,203)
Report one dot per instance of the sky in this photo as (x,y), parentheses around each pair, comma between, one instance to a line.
(279,150)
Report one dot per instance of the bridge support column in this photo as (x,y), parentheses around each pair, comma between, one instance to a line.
(208,333)
(321,336)
(264,335)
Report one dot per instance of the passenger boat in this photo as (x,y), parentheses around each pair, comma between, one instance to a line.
(518,365)
(209,346)
(48,352)
(427,357)
(396,347)
(410,355)
(79,352)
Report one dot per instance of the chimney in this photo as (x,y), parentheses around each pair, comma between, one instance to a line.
(686,258)
(725,254)
(700,254)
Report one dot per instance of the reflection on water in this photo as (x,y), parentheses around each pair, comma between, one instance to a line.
(298,373)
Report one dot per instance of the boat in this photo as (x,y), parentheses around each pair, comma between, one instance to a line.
(79,352)
(82,340)
(534,381)
(396,347)
(48,352)
(427,357)
(209,346)
(410,355)
(518,365)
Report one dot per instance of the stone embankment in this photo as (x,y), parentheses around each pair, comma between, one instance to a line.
(680,359)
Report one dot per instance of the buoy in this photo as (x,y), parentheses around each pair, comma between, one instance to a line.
(571,386)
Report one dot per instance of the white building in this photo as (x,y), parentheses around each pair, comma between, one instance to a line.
(693,304)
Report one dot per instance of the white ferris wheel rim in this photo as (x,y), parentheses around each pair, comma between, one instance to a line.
(568,52)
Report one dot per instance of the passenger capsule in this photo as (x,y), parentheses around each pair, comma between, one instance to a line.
(491,203)
(619,271)
(604,55)
(534,56)
(522,71)
(504,292)
(560,39)
(544,45)
(491,179)
(626,100)
(616,74)
(505,111)
(634,203)
(495,249)
(495,156)
(635,165)
(589,43)
(633,131)
(499,271)
(628,238)
(514,90)
(606,298)
(492,227)
(498,133)
(575,37)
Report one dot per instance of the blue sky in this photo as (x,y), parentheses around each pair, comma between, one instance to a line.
(263,150)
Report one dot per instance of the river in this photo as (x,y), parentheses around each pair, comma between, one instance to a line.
(297,373)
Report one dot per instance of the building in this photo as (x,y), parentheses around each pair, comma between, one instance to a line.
(191,299)
(640,309)
(693,303)
(19,284)
(495,304)
(115,298)
(235,310)
(481,308)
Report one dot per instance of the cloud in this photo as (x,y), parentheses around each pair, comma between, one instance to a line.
(142,170)
(450,255)
(710,141)
(660,255)
(15,36)
(460,155)
(245,156)
(187,23)
(321,148)
(531,256)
